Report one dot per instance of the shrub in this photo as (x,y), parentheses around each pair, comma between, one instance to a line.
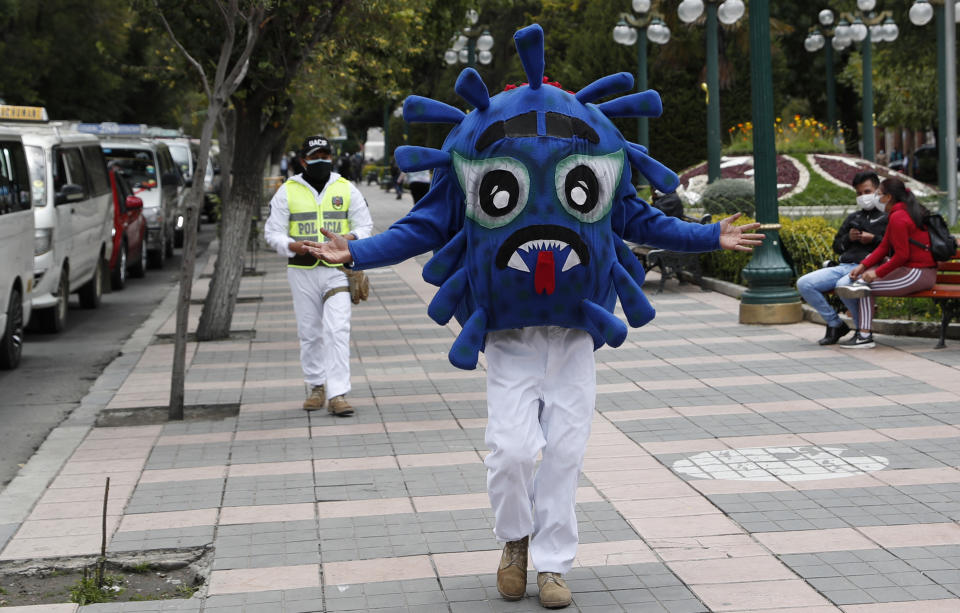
(806,243)
(726,265)
(729,196)
(809,241)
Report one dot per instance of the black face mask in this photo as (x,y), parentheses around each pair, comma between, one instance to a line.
(317,172)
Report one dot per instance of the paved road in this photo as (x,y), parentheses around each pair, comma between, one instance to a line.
(58,369)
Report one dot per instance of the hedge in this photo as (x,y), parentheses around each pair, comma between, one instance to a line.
(806,244)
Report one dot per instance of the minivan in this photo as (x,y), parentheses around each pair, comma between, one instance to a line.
(16,244)
(155,179)
(73,219)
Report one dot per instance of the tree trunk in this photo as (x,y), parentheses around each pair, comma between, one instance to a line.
(194,203)
(252,146)
(228,130)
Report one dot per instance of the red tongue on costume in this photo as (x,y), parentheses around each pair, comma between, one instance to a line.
(543,277)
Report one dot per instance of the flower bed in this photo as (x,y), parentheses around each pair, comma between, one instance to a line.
(792,177)
(840,169)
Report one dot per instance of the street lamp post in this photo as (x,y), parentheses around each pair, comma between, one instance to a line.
(638,29)
(770,299)
(471,44)
(867,27)
(920,14)
(829,41)
(728,12)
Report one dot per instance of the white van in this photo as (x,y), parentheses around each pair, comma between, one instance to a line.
(73,219)
(155,179)
(16,244)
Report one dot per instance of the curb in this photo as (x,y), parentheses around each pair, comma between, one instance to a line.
(31,481)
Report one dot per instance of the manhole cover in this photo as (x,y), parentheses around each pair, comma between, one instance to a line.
(804,463)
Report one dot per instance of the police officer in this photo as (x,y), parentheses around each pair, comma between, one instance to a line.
(319,198)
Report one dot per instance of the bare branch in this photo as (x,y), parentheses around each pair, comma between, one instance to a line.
(223,10)
(239,71)
(183,50)
(226,48)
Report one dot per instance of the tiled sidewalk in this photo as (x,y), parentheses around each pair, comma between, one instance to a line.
(731,468)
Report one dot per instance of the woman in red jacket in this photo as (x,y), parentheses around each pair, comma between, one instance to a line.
(909,267)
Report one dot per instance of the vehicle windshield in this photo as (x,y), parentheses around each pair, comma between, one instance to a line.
(137,166)
(181,155)
(37,162)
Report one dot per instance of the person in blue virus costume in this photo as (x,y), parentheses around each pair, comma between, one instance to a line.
(530,202)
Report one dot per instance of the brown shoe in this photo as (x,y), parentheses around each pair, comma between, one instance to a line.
(512,574)
(554,593)
(316,399)
(339,406)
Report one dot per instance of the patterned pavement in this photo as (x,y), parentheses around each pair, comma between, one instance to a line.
(731,468)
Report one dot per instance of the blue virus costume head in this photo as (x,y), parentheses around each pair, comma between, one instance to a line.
(539,171)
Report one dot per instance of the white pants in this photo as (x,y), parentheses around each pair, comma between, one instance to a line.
(322,327)
(541,393)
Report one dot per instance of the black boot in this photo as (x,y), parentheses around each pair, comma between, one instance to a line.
(834,334)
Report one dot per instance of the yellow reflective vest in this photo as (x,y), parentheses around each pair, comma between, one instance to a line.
(306,217)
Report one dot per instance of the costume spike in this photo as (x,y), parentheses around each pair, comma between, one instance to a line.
(471,88)
(642,104)
(417,109)
(629,261)
(411,159)
(606,86)
(611,329)
(529,42)
(465,350)
(448,298)
(635,304)
(659,175)
(445,261)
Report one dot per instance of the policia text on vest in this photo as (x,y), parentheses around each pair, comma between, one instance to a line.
(306,217)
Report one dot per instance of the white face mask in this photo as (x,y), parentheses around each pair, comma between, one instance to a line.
(868,201)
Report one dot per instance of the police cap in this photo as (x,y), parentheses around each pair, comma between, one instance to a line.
(313,144)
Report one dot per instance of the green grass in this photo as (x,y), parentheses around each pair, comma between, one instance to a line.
(86,591)
(820,191)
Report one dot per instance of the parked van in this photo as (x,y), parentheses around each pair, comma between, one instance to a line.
(16,243)
(184,153)
(73,219)
(155,179)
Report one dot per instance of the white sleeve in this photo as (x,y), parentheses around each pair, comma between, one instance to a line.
(276,230)
(361,224)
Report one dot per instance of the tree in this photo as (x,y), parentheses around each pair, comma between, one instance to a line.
(94,60)
(263,106)
(231,67)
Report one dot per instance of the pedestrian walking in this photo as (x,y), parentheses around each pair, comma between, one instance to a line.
(860,233)
(909,268)
(319,199)
(418,182)
(535,179)
(396,177)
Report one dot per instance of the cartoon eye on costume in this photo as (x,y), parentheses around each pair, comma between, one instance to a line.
(496,189)
(586,184)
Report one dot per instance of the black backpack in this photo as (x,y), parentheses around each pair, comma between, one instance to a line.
(943,246)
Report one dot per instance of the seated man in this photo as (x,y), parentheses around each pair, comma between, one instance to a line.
(860,233)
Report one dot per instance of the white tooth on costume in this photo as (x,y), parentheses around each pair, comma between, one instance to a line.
(572,260)
(517,262)
(540,245)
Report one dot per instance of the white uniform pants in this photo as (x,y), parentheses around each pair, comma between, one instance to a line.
(541,393)
(322,327)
